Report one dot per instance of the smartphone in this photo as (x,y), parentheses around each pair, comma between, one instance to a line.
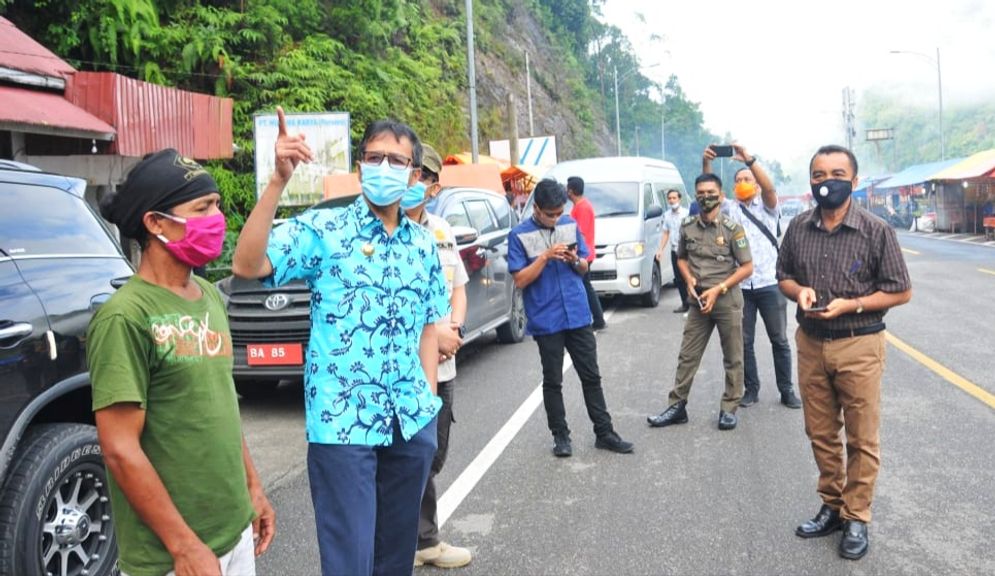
(722,150)
(817,309)
(701,303)
(572,246)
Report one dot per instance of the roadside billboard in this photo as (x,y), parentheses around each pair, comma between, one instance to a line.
(327,133)
(539,151)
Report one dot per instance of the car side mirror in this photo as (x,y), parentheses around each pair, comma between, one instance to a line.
(653,211)
(465,235)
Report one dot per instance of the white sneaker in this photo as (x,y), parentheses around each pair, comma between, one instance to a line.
(443,555)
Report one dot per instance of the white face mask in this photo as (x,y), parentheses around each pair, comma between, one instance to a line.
(675,205)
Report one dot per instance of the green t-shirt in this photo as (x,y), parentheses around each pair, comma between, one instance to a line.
(174,357)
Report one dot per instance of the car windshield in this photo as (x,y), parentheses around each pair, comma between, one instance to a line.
(613,198)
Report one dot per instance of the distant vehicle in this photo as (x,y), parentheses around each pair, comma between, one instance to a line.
(58,264)
(629,196)
(270,327)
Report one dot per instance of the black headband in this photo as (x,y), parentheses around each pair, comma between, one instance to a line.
(157,183)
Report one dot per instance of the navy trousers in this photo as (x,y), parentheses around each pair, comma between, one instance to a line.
(366,503)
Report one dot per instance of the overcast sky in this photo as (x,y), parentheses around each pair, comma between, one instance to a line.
(772,72)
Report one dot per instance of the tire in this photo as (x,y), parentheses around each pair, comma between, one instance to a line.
(652,298)
(513,331)
(58,480)
(256,389)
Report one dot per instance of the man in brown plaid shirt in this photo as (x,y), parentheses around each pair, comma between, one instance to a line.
(844,268)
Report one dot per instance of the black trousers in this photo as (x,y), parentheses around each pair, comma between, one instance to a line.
(592,300)
(583,349)
(682,288)
(428,521)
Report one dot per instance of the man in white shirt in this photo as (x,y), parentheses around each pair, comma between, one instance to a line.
(671,238)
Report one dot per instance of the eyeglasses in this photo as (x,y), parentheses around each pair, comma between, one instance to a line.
(394,160)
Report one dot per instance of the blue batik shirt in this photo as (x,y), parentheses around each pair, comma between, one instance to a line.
(371,295)
(556,300)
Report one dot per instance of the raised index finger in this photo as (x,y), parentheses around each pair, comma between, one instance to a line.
(281,121)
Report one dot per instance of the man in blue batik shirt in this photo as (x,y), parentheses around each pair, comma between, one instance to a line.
(376,291)
(548,259)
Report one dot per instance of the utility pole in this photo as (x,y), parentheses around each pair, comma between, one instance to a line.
(528,91)
(848,117)
(618,131)
(512,129)
(637,140)
(472,73)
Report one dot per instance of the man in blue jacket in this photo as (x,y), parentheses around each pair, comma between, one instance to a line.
(547,257)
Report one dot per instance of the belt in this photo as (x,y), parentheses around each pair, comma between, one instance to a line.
(843,333)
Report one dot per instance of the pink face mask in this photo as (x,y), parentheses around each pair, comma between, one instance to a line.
(202,242)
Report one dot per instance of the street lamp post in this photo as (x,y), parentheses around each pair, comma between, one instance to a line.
(939,91)
(472,78)
(618,129)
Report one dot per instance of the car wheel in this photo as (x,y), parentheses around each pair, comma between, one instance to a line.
(652,298)
(256,389)
(513,331)
(55,511)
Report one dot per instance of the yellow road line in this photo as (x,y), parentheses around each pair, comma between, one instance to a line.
(944,372)
(910,251)
(987,271)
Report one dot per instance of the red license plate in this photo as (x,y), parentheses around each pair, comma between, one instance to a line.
(274,354)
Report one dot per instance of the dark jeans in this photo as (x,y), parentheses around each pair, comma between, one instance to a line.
(583,349)
(773,309)
(365,502)
(428,523)
(592,300)
(682,287)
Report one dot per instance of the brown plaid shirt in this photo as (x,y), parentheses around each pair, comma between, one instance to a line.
(857,259)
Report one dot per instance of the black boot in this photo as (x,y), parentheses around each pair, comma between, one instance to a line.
(675,414)
(825,523)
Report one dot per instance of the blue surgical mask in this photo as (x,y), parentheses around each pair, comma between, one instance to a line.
(383,185)
(414,196)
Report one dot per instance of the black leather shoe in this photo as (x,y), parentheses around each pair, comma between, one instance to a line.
(854,544)
(790,400)
(612,441)
(561,446)
(749,398)
(727,420)
(681,309)
(825,523)
(675,414)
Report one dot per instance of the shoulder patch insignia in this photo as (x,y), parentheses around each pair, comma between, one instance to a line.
(741,242)
(729,222)
(689,220)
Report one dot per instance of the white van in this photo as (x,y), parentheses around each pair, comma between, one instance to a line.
(629,195)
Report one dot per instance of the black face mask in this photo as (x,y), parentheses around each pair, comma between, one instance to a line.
(831,194)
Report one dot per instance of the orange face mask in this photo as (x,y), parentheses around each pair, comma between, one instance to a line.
(745,190)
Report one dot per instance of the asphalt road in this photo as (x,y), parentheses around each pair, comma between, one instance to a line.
(693,499)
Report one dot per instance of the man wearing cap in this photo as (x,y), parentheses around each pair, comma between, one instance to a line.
(377,290)
(431,550)
(185,494)
(757,213)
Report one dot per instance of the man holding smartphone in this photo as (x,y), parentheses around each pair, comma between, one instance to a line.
(844,259)
(549,271)
(755,209)
(714,257)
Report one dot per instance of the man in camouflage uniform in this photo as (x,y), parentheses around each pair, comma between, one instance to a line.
(713,257)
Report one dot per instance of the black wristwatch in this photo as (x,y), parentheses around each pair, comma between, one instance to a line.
(461,330)
(750,162)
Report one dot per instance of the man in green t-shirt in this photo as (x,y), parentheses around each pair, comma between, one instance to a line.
(184,491)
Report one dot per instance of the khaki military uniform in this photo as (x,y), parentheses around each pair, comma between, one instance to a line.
(713,251)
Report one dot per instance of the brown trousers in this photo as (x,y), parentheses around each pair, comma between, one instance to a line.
(840,385)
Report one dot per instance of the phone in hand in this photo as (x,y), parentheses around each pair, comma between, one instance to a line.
(818,308)
(701,303)
(722,150)
(572,247)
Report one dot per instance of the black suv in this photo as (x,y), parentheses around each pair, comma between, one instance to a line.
(270,328)
(58,263)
